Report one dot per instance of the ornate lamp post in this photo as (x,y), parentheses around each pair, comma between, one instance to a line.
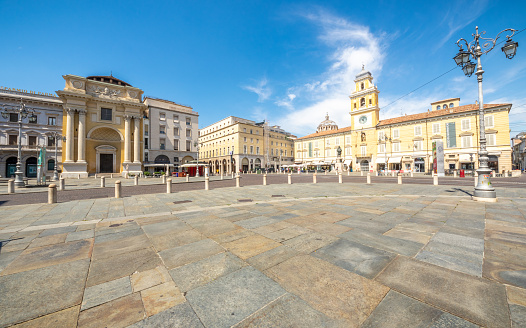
(484,190)
(22,113)
(196,145)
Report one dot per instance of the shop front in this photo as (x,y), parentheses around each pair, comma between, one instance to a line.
(419,164)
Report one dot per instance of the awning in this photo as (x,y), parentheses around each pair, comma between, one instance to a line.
(464,158)
(347,162)
(193,165)
(394,160)
(380,160)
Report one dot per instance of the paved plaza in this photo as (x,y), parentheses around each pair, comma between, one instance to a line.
(300,255)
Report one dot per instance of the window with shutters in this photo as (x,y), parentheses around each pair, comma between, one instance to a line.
(466,141)
(491,139)
(436,128)
(337,143)
(315,144)
(348,151)
(328,142)
(381,148)
(417,146)
(381,135)
(347,140)
(396,133)
(396,147)
(418,130)
(363,150)
(244,149)
(465,125)
(251,149)
(488,121)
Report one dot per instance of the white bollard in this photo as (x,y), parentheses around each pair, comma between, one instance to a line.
(61,184)
(187,178)
(78,176)
(118,189)
(454,174)
(221,174)
(111,175)
(348,173)
(52,194)
(237,181)
(393,173)
(476,182)
(290,178)
(411,174)
(368,178)
(376,173)
(207,183)
(435,180)
(314,178)
(11,186)
(492,174)
(340,179)
(325,172)
(168,186)
(136,180)
(163,179)
(399,179)
(102,182)
(264,179)
(95,175)
(361,173)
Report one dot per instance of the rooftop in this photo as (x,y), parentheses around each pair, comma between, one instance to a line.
(108,79)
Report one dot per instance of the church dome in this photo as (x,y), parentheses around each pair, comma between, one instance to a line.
(327,125)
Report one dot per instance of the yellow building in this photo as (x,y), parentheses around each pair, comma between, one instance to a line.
(235,144)
(98,113)
(405,143)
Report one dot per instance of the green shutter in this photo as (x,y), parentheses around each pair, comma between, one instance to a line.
(451,135)
(310,149)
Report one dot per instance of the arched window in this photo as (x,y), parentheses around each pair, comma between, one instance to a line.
(438,107)
(451,105)
(362,102)
(444,107)
(51,165)
(363,86)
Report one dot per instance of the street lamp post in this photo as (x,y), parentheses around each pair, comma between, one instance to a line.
(56,136)
(22,112)
(484,190)
(196,145)
(231,161)
(385,139)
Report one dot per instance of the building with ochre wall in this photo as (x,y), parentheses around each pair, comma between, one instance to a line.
(405,142)
(102,125)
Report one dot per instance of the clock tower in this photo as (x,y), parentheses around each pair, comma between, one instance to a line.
(364,102)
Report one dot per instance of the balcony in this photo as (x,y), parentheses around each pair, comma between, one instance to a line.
(369,155)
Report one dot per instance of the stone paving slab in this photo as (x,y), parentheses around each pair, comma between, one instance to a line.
(478,300)
(147,256)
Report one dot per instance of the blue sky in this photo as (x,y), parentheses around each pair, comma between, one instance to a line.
(289,62)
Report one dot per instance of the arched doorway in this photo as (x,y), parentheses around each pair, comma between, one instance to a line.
(225,168)
(244,164)
(257,164)
(10,167)
(107,143)
(233,165)
(31,167)
(364,165)
(161,159)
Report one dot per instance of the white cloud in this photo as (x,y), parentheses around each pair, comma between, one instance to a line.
(352,45)
(261,89)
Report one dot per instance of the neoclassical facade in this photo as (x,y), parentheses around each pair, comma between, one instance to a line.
(405,143)
(102,116)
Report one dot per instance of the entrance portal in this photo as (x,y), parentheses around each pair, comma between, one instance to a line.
(106,163)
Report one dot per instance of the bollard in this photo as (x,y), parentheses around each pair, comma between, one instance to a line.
(361,173)
(136,180)
(95,175)
(376,173)
(111,175)
(368,178)
(207,183)
(340,179)
(11,186)
(435,180)
(168,186)
(314,178)
(399,179)
(290,178)
(393,173)
(411,174)
(221,175)
(492,174)
(102,182)
(61,184)
(476,174)
(454,174)
(265,179)
(475,178)
(237,180)
(52,194)
(163,179)
(187,178)
(118,189)
(348,173)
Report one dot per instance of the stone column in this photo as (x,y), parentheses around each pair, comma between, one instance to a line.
(81,157)
(70,138)
(136,140)
(127,141)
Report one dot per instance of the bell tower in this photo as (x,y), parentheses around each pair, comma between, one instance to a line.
(364,102)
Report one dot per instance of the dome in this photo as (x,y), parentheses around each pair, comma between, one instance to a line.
(108,79)
(327,125)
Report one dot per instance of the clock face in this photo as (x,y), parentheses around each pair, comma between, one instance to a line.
(363,119)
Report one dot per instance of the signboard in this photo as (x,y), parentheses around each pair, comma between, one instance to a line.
(451,137)
(438,157)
